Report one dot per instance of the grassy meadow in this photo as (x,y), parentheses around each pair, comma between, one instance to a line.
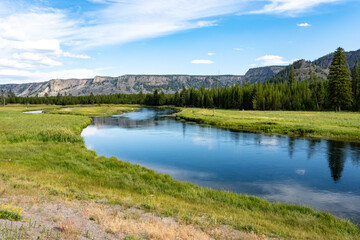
(43,155)
(330,125)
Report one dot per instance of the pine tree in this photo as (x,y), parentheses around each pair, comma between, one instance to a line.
(340,87)
(355,76)
(3,97)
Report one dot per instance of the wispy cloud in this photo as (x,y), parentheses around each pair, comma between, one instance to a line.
(290,7)
(303,25)
(29,46)
(269,60)
(202,61)
(67,54)
(238,49)
(211,54)
(124,21)
(31,76)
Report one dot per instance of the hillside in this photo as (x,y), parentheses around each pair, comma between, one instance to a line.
(320,66)
(351,56)
(302,71)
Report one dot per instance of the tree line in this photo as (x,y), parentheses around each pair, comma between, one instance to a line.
(340,91)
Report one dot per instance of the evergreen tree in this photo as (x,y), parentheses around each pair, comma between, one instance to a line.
(355,76)
(91,98)
(340,87)
(3,97)
(183,95)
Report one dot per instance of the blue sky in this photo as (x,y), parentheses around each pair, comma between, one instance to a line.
(46,39)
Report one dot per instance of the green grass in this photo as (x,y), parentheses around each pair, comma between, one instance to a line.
(331,125)
(99,110)
(60,166)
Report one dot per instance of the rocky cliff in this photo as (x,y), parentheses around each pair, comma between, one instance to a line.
(123,84)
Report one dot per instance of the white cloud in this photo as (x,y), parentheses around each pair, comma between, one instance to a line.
(202,61)
(238,49)
(300,171)
(211,54)
(36,59)
(67,54)
(38,76)
(31,42)
(4,62)
(290,7)
(303,25)
(268,60)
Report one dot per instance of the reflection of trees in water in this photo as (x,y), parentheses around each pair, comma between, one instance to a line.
(355,153)
(291,146)
(101,122)
(336,158)
(312,147)
(184,129)
(150,118)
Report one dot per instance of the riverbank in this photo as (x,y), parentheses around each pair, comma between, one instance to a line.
(91,111)
(46,158)
(329,125)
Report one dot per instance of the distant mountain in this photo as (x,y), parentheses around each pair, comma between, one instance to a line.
(124,84)
(261,74)
(172,83)
(320,66)
(325,61)
(302,71)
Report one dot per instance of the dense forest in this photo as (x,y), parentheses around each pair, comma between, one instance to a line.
(340,91)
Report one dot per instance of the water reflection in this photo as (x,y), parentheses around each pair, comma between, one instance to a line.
(336,158)
(320,173)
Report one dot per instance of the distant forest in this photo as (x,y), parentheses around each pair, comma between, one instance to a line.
(340,91)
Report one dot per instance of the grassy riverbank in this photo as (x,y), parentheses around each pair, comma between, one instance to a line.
(331,125)
(43,155)
(91,111)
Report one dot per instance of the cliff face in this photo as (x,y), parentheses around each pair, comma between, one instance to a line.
(123,84)
(262,74)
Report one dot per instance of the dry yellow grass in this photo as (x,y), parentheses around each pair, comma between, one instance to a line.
(139,225)
(69,230)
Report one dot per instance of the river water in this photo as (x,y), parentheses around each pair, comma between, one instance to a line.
(318,173)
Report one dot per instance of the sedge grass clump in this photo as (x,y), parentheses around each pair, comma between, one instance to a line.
(10,212)
(59,135)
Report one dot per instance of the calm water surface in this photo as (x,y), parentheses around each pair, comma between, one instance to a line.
(318,173)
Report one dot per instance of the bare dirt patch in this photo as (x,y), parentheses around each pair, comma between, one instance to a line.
(87,219)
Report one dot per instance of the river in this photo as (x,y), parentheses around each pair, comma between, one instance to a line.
(318,173)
